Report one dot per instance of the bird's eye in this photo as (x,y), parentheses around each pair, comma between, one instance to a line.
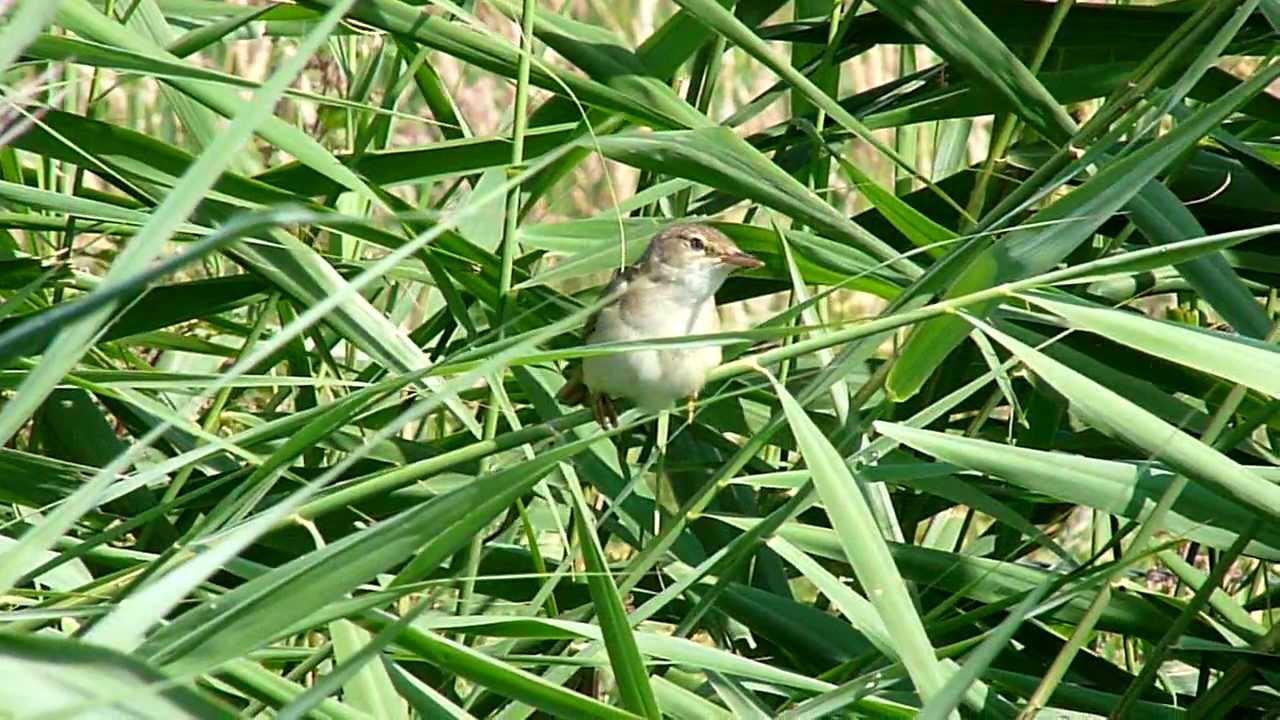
(695,243)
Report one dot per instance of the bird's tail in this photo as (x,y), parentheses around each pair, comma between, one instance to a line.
(574,390)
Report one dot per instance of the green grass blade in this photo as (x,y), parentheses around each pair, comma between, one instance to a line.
(1118,416)
(499,676)
(624,656)
(23,27)
(62,677)
(1120,488)
(719,158)
(1071,221)
(865,548)
(1238,359)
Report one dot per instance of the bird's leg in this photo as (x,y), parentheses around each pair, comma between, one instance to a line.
(603,410)
(693,399)
(597,410)
(610,411)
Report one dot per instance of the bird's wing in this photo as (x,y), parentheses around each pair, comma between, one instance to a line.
(616,287)
(574,391)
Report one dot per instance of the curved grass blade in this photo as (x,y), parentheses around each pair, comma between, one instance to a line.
(1070,221)
(1124,489)
(864,547)
(63,677)
(615,628)
(717,157)
(1115,415)
(1239,359)
(498,676)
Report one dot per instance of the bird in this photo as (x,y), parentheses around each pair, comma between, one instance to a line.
(668,293)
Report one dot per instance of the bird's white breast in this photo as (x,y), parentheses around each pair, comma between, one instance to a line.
(653,379)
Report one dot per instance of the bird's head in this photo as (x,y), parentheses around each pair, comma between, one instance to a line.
(697,256)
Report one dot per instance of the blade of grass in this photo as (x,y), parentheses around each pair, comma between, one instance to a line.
(865,547)
(624,656)
(23,27)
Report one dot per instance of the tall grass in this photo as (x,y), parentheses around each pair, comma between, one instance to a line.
(287,291)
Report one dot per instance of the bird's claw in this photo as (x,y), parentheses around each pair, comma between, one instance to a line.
(604,411)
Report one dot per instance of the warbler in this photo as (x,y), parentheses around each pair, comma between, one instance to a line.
(669,293)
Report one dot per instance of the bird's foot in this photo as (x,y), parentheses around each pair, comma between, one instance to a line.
(690,405)
(604,411)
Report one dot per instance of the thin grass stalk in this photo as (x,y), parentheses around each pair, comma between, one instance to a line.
(535,555)
(825,76)
(520,127)
(839,28)
(819,172)
(297,673)
(702,89)
(1007,123)
(77,182)
(544,492)
(510,224)
(213,416)
(906,139)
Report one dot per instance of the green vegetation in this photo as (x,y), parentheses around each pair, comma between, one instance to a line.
(287,291)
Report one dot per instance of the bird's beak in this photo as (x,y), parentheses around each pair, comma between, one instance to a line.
(742,260)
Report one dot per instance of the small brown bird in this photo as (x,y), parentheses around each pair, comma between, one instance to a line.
(669,293)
